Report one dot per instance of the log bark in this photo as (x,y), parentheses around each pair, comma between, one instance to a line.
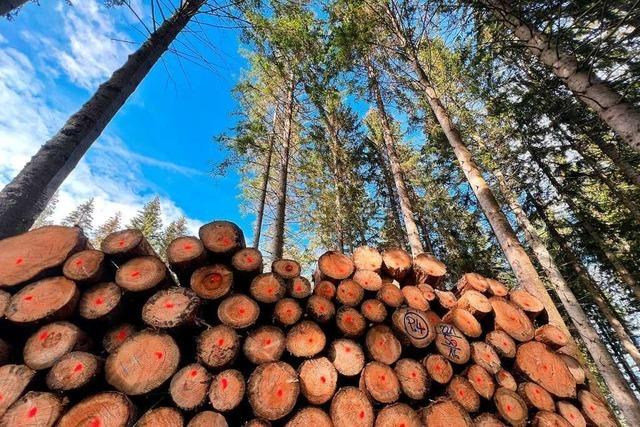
(350,407)
(34,408)
(25,197)
(596,94)
(107,408)
(227,390)
(14,379)
(217,347)
(273,390)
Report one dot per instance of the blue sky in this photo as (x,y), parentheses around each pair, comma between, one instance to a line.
(52,58)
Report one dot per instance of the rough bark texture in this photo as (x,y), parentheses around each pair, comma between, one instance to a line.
(396,170)
(281,191)
(595,93)
(265,181)
(8,6)
(604,363)
(610,150)
(24,198)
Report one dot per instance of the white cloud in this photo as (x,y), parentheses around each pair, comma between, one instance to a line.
(93,47)
(28,120)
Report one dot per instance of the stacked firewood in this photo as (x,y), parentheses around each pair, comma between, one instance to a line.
(114,337)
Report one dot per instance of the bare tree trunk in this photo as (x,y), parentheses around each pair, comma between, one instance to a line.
(22,200)
(610,150)
(281,192)
(265,180)
(612,316)
(396,171)
(8,6)
(604,363)
(596,94)
(337,175)
(622,272)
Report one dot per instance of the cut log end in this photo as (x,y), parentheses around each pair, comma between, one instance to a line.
(48,299)
(161,417)
(263,345)
(536,397)
(212,282)
(350,322)
(382,344)
(464,321)
(102,409)
(100,301)
(413,377)
(238,311)
(396,263)
(349,293)
(335,265)
(141,273)
(399,414)
(126,244)
(49,343)
(439,368)
(484,355)
(14,379)
(367,258)
(208,419)
(452,344)
(347,357)
(369,280)
(506,380)
(218,346)
(299,287)
(374,310)
(351,407)
(73,371)
(33,409)
(171,308)
(325,289)
(142,363)
(472,281)
(482,381)
(227,390)
(88,266)
(414,298)
(286,268)
(320,309)
(189,386)
(545,368)
(463,392)
(549,419)
(310,416)
(222,238)
(571,413)
(305,339)
(380,382)
(511,407)
(287,312)
(391,295)
(502,343)
(116,336)
(428,270)
(512,320)
(594,410)
(445,413)
(318,380)
(273,390)
(268,288)
(248,261)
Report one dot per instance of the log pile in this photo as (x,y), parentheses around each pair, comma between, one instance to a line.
(113,337)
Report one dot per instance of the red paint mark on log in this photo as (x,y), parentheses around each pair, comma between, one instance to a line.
(220,342)
(361,415)
(249,259)
(508,408)
(288,268)
(121,243)
(224,382)
(310,340)
(348,319)
(79,367)
(99,301)
(28,298)
(79,262)
(478,380)
(270,290)
(593,408)
(323,380)
(215,278)
(19,261)
(193,373)
(187,247)
(347,349)
(95,422)
(289,311)
(135,274)
(43,335)
(383,378)
(299,288)
(122,334)
(279,393)
(461,393)
(159,354)
(241,310)
(169,305)
(267,342)
(321,309)
(32,412)
(413,374)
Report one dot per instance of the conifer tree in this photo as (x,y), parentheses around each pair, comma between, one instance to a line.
(81,216)
(175,229)
(149,221)
(112,224)
(45,217)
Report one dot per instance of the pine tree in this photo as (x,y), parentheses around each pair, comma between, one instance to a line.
(149,221)
(45,217)
(175,229)
(109,226)
(81,216)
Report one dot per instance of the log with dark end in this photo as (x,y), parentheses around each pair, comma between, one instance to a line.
(35,408)
(268,288)
(318,380)
(263,345)
(49,299)
(73,371)
(88,266)
(380,382)
(142,273)
(212,281)
(100,302)
(126,244)
(218,346)
(171,308)
(222,238)
(114,337)
(305,339)
(227,390)
(142,363)
(163,416)
(108,408)
(350,407)
(287,311)
(34,254)
(238,311)
(413,377)
(273,390)
(347,357)
(189,386)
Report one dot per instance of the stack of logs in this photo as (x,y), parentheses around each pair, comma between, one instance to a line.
(113,337)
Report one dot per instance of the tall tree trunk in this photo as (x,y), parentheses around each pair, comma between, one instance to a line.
(522,267)
(618,267)
(8,6)
(619,327)
(396,171)
(610,150)
(337,175)
(281,192)
(596,94)
(265,180)
(22,200)
(604,363)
